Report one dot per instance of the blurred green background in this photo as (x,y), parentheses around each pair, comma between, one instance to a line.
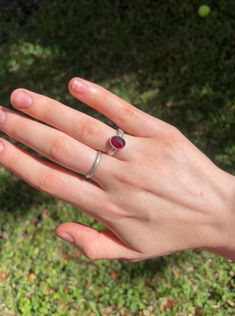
(165,59)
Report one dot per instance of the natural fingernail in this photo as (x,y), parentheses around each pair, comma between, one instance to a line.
(21,99)
(66,237)
(2,116)
(79,86)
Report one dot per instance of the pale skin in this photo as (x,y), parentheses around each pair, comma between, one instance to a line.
(158,195)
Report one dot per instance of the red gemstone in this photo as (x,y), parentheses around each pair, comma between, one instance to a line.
(117,142)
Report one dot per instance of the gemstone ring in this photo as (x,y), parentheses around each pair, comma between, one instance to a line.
(116,142)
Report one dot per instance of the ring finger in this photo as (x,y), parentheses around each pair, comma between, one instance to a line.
(55,145)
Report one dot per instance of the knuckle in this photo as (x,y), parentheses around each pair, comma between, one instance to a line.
(84,129)
(172,139)
(127,180)
(46,109)
(18,126)
(91,252)
(105,97)
(127,112)
(130,110)
(171,147)
(112,209)
(48,182)
(131,175)
(60,149)
(173,132)
(94,250)
(11,160)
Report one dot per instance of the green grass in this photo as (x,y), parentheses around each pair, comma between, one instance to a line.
(165,59)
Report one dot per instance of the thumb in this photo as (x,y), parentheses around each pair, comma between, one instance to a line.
(95,244)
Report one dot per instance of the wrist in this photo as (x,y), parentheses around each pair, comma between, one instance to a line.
(225,221)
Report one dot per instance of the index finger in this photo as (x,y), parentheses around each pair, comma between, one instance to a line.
(121,112)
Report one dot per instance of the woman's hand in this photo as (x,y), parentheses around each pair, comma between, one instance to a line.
(157,195)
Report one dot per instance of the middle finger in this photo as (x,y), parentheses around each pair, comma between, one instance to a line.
(78,125)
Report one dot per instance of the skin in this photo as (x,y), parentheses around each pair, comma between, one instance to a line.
(158,195)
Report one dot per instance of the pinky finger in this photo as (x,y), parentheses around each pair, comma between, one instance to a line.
(49,177)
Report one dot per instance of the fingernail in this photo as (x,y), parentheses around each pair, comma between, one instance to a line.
(1,147)
(66,237)
(80,87)
(21,99)
(2,116)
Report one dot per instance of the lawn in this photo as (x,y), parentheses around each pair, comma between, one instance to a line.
(165,59)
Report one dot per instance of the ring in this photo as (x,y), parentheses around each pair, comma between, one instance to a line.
(116,142)
(91,172)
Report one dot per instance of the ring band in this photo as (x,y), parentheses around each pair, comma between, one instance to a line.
(116,142)
(91,172)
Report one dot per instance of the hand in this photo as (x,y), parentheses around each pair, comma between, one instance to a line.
(157,195)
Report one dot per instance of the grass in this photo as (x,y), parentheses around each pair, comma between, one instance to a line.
(166,60)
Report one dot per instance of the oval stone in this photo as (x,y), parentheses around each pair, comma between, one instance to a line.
(117,142)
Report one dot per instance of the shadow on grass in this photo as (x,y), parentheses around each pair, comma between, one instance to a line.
(15,194)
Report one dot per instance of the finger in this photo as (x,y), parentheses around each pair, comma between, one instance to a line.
(55,145)
(52,179)
(122,113)
(78,125)
(94,244)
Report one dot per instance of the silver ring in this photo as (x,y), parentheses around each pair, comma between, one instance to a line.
(116,142)
(91,172)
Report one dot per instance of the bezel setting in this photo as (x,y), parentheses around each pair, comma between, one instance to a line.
(117,142)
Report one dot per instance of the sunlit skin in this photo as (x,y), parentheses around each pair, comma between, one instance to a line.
(157,195)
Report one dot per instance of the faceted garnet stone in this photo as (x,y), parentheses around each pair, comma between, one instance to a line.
(117,142)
